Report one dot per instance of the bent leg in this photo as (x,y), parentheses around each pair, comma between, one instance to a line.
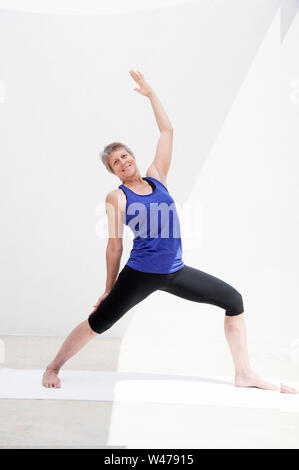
(198,286)
(235,333)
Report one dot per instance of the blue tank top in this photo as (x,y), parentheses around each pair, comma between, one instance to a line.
(154,221)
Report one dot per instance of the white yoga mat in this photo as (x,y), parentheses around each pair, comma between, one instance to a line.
(138,387)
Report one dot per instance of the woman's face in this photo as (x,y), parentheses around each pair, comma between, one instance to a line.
(122,163)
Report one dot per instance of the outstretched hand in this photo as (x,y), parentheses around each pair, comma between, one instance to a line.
(144,89)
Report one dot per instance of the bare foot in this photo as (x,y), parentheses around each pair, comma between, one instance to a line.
(286,389)
(253,380)
(50,379)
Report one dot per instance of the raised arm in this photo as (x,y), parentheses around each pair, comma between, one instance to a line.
(161,163)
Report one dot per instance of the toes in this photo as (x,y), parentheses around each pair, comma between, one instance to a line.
(52,385)
(48,385)
(286,389)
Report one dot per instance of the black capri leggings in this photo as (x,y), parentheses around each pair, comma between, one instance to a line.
(132,286)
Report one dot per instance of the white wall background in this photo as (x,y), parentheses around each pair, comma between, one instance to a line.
(66,92)
(289,218)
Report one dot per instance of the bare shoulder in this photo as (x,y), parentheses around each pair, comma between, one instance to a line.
(152,172)
(117,198)
(113,195)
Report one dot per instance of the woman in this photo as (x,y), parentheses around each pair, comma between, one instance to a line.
(155,261)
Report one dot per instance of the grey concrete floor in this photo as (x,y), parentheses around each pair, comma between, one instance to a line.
(34,424)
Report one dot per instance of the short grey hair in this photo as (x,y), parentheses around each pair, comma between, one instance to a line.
(104,155)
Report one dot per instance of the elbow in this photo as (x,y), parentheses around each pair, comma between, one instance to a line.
(115,246)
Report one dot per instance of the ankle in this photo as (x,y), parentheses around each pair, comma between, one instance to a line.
(244,372)
(53,367)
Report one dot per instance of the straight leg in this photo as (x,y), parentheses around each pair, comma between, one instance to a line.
(75,341)
(130,288)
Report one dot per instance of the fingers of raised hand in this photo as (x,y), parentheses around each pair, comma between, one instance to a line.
(136,75)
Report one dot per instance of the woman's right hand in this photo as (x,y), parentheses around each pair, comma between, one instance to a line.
(103,296)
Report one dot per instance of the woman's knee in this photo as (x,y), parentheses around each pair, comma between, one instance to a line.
(89,328)
(98,325)
(236,306)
